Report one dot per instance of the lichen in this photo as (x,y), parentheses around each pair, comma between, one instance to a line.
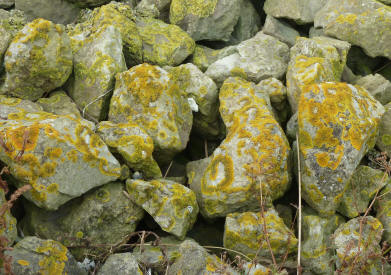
(179,9)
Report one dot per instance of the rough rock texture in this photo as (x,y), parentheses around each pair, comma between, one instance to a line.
(59,103)
(197,16)
(280,30)
(338,124)
(172,205)
(255,150)
(33,256)
(59,156)
(365,23)
(148,96)
(159,7)
(378,86)
(257,58)
(383,142)
(38,60)
(89,3)
(5,4)
(121,263)
(103,216)
(133,144)
(383,211)
(12,105)
(203,56)
(244,232)
(8,229)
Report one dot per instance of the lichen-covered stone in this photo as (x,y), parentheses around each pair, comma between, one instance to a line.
(8,223)
(357,244)
(12,105)
(365,23)
(383,211)
(38,60)
(89,3)
(96,62)
(163,44)
(160,8)
(280,30)
(59,103)
(302,11)
(5,4)
(244,232)
(33,256)
(172,205)
(147,95)
(103,216)
(378,86)
(258,269)
(360,190)
(133,144)
(58,11)
(338,124)
(5,39)
(316,254)
(257,58)
(316,60)
(203,91)
(197,16)
(254,152)
(203,56)
(383,142)
(59,156)
(120,263)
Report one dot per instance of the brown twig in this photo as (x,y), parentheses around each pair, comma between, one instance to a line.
(299,209)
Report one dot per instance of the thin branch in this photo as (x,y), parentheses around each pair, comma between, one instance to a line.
(299,209)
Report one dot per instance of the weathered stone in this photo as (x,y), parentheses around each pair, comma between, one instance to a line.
(172,205)
(314,32)
(38,60)
(89,3)
(258,58)
(365,23)
(33,256)
(338,124)
(8,231)
(258,269)
(160,7)
(147,95)
(203,56)
(133,144)
(197,17)
(5,4)
(103,216)
(120,263)
(383,211)
(244,232)
(383,142)
(361,188)
(59,103)
(280,30)
(378,86)
(11,105)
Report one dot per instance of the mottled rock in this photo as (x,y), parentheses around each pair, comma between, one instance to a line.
(360,190)
(38,60)
(59,103)
(258,269)
(203,56)
(133,144)
(338,124)
(365,23)
(159,7)
(258,58)
(172,205)
(89,3)
(383,142)
(383,211)
(378,86)
(197,17)
(148,96)
(103,216)
(120,263)
(8,224)
(255,150)
(5,4)
(280,30)
(316,32)
(33,256)
(12,105)
(244,232)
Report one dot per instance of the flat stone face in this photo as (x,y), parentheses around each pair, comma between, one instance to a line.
(338,124)
(378,86)
(203,56)
(120,263)
(59,103)
(383,142)
(383,211)
(280,30)
(365,23)
(89,3)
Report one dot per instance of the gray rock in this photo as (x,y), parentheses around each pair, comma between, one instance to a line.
(8,231)
(5,4)
(383,211)
(59,103)
(203,56)
(292,127)
(11,105)
(280,30)
(378,86)
(160,7)
(120,263)
(89,3)
(383,142)
(314,32)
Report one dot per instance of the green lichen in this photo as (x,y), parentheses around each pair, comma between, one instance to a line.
(179,9)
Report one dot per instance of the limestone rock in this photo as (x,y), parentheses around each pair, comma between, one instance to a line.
(120,263)
(203,56)
(59,103)
(378,86)
(12,105)
(280,30)
(383,142)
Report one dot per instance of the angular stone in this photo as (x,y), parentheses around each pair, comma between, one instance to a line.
(383,142)
(120,263)
(33,256)
(260,57)
(133,144)
(146,95)
(38,60)
(338,124)
(280,30)
(89,3)
(197,17)
(59,103)
(383,211)
(161,7)
(8,231)
(365,23)
(5,4)
(5,40)
(203,56)
(378,86)
(172,205)
(12,105)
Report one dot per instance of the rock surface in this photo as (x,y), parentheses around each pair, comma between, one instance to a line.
(121,263)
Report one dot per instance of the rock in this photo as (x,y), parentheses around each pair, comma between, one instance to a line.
(314,32)
(355,243)
(280,30)
(203,56)
(302,11)
(96,62)
(383,211)
(361,188)
(244,232)
(133,144)
(33,256)
(255,150)
(38,60)
(172,205)
(285,213)
(6,4)
(255,269)
(11,105)
(59,103)
(102,216)
(8,231)
(364,23)
(203,91)
(120,263)
(258,58)
(59,156)
(89,3)
(338,124)
(383,142)
(147,95)
(164,44)
(292,127)
(316,60)
(316,254)
(378,86)
(161,7)
(197,17)
(57,11)
(5,40)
